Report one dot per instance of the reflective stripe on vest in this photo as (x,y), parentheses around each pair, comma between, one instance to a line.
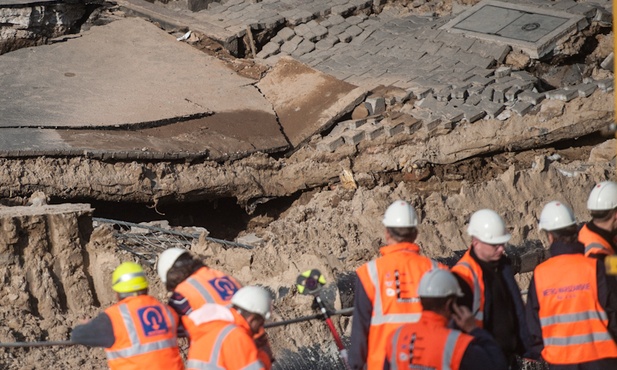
(573,317)
(599,246)
(378,315)
(577,339)
(138,348)
(214,353)
(201,289)
(446,358)
(479,314)
(448,352)
(393,359)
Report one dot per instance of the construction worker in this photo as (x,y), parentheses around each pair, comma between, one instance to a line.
(192,283)
(598,235)
(429,344)
(571,316)
(226,334)
(138,332)
(490,291)
(386,288)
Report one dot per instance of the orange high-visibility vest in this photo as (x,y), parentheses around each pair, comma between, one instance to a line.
(224,345)
(206,285)
(471,271)
(574,324)
(391,284)
(145,335)
(594,243)
(427,344)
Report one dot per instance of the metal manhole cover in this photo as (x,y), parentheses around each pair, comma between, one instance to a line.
(528,28)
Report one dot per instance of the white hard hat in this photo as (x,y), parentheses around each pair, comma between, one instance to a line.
(556,215)
(400,214)
(438,283)
(253,299)
(487,226)
(603,197)
(166,260)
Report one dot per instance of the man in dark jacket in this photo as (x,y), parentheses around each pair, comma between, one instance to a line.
(571,310)
(490,291)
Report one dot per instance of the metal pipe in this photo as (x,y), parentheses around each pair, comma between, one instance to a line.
(345,311)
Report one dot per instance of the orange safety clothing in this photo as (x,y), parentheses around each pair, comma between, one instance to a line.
(391,285)
(427,344)
(471,271)
(145,335)
(594,243)
(574,324)
(224,345)
(206,285)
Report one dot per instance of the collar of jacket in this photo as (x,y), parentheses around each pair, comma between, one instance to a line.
(434,318)
(606,235)
(559,248)
(398,247)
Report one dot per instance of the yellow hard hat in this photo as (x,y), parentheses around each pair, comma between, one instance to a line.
(129,277)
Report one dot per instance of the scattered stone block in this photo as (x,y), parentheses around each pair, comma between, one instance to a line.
(391,129)
(456,102)
(472,113)
(353,137)
(521,108)
(499,97)
(529,96)
(562,94)
(372,132)
(606,85)
(460,93)
(525,76)
(375,105)
(491,108)
(585,90)
(503,71)
(475,90)
(451,113)
(431,104)
(473,99)
(421,92)
(330,144)
(487,94)
(355,123)
(511,94)
(480,81)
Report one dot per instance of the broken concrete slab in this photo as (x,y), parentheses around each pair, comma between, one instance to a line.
(530,29)
(102,83)
(307,101)
(104,78)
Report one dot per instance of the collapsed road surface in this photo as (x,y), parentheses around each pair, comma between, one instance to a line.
(298,151)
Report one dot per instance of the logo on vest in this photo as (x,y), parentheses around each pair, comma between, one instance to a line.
(224,287)
(152,321)
(566,292)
